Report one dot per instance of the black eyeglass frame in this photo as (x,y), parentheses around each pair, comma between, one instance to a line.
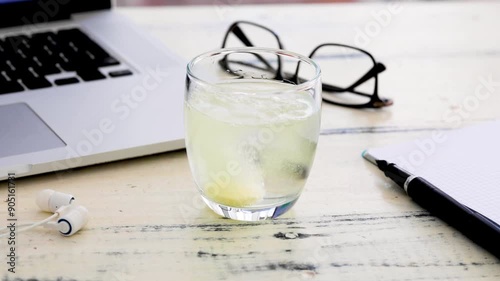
(375,100)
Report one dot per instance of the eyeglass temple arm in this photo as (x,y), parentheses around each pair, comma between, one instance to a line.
(241,35)
(244,39)
(376,69)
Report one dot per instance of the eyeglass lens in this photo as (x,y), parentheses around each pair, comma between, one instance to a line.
(341,67)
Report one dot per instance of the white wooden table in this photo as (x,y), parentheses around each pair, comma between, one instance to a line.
(351,223)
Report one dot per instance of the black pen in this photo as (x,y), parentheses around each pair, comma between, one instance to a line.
(475,226)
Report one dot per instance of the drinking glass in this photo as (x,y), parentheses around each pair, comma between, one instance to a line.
(252,120)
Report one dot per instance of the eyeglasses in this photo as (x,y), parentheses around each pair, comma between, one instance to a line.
(349,74)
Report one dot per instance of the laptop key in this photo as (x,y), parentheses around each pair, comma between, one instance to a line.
(4,65)
(3,51)
(31,81)
(36,83)
(120,73)
(107,61)
(13,75)
(11,86)
(46,48)
(38,39)
(17,42)
(90,74)
(65,63)
(44,66)
(66,81)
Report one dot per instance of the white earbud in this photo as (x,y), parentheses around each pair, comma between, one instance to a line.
(49,200)
(71,219)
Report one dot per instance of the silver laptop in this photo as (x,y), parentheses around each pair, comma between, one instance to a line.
(80,85)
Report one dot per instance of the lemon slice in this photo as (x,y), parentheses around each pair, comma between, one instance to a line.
(235,194)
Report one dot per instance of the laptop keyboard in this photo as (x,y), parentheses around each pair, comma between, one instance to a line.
(26,61)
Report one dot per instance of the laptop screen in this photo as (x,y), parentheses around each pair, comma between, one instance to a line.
(11,1)
(26,12)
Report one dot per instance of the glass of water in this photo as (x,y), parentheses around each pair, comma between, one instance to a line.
(252,119)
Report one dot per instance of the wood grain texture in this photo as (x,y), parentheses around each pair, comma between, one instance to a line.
(148,222)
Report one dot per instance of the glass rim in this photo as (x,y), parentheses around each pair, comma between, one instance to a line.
(309,83)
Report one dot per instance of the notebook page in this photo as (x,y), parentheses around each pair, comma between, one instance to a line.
(462,163)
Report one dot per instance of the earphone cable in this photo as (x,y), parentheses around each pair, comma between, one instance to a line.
(33,225)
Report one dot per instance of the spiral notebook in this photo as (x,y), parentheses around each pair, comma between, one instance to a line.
(463,163)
